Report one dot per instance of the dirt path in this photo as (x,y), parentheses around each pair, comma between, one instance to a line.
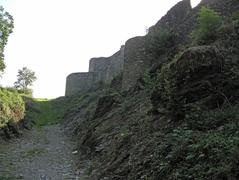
(41,154)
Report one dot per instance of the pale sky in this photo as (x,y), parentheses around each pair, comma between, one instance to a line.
(57,37)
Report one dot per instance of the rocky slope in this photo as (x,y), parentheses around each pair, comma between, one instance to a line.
(179,121)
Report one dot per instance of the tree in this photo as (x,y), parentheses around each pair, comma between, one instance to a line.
(25,78)
(6,26)
(209,22)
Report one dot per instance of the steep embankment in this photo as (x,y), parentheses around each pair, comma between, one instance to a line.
(180,120)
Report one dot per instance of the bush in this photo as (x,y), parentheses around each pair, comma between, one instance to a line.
(209,22)
(12,107)
(187,154)
(159,41)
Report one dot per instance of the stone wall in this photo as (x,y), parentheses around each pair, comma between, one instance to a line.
(115,66)
(79,82)
(133,59)
(137,59)
(100,70)
(174,17)
(180,20)
(99,67)
(106,69)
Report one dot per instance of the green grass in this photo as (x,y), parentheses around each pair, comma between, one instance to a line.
(52,111)
(48,112)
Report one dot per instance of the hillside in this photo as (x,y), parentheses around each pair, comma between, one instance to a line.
(165,106)
(175,113)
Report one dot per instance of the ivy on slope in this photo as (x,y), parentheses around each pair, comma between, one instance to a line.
(12,107)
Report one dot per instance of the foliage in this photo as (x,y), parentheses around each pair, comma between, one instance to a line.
(148,81)
(210,120)
(27,92)
(12,107)
(159,41)
(235,15)
(6,26)
(185,153)
(25,78)
(199,78)
(51,111)
(208,23)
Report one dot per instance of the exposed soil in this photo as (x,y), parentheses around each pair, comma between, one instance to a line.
(45,153)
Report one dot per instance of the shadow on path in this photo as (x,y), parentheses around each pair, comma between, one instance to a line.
(43,153)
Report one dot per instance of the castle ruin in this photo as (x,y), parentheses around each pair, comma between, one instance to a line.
(132,60)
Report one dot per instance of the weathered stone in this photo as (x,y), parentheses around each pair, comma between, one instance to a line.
(106,69)
(104,105)
(135,61)
(138,59)
(79,82)
(98,66)
(175,16)
(101,70)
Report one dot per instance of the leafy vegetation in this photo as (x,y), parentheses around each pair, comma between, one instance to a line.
(12,107)
(206,149)
(235,15)
(25,78)
(159,41)
(6,26)
(208,23)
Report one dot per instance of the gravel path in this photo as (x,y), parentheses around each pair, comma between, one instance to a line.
(41,154)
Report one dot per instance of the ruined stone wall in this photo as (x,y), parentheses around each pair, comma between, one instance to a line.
(137,59)
(106,69)
(115,66)
(99,67)
(174,17)
(133,60)
(79,82)
(100,70)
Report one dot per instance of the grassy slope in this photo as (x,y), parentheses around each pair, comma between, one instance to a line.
(48,112)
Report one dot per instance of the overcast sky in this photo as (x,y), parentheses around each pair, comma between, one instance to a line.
(57,37)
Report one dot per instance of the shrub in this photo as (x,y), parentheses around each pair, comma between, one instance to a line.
(208,23)
(159,41)
(12,107)
(149,81)
(185,154)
